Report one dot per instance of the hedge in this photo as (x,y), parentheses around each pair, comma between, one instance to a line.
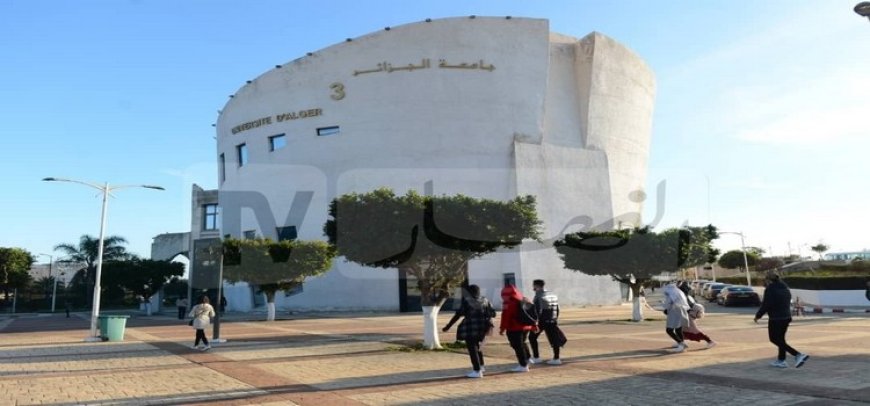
(741,280)
(858,282)
(827,282)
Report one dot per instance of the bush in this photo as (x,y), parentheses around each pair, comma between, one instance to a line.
(741,280)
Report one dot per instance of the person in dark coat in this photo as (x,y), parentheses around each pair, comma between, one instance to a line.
(517,333)
(477,314)
(547,306)
(777,305)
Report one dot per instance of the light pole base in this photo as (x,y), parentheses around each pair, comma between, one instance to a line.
(218,340)
(93,339)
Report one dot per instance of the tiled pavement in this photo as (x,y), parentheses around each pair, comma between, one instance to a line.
(362,359)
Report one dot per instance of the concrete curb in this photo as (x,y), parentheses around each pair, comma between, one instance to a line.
(814,309)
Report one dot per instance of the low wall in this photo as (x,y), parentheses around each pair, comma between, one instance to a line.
(856,299)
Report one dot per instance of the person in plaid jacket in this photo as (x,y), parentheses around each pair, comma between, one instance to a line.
(477,314)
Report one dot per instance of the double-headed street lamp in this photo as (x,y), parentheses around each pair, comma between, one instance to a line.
(743,248)
(105,189)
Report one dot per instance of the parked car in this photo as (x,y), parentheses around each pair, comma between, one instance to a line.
(738,295)
(702,287)
(697,285)
(711,290)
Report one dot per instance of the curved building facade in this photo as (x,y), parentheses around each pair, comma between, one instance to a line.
(487,107)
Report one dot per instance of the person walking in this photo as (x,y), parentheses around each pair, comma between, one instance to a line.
(776,304)
(476,312)
(547,306)
(517,332)
(676,308)
(181,304)
(202,314)
(692,331)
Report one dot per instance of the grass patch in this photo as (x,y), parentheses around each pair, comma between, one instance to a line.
(418,346)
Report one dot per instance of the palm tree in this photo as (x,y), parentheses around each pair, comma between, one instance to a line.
(86,253)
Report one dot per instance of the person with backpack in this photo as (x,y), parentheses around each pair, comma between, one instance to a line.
(547,308)
(477,314)
(517,320)
(202,315)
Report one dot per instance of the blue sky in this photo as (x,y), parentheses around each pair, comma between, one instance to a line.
(759,122)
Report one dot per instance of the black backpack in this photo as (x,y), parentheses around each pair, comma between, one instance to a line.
(527,315)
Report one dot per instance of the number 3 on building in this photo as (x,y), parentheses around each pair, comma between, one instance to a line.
(337,91)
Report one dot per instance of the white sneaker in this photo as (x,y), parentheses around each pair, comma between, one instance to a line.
(474,374)
(520,368)
(678,349)
(675,345)
(779,364)
(554,362)
(206,348)
(535,360)
(800,359)
(711,344)
(482,368)
(195,347)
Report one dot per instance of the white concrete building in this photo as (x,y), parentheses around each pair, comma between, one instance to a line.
(487,107)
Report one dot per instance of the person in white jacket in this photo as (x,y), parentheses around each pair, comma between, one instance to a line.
(202,314)
(676,307)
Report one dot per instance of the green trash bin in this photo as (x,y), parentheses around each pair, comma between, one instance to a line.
(112,327)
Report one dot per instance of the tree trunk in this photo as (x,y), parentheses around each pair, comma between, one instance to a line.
(636,305)
(431,341)
(147,305)
(431,307)
(270,306)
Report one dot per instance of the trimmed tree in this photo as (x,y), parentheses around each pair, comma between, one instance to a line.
(634,256)
(14,264)
(734,259)
(820,249)
(141,277)
(275,266)
(431,238)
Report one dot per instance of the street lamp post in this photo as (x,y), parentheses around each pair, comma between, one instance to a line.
(105,189)
(743,248)
(54,284)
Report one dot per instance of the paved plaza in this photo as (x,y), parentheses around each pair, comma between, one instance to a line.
(365,359)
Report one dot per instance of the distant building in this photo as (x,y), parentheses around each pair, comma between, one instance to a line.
(848,255)
(64,272)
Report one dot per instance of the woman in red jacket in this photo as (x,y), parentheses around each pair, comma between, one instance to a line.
(517,333)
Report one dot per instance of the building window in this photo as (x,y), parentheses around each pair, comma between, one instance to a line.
(328,130)
(222,164)
(209,217)
(286,233)
(250,234)
(242,152)
(277,142)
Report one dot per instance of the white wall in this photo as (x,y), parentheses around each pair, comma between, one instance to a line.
(831,298)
